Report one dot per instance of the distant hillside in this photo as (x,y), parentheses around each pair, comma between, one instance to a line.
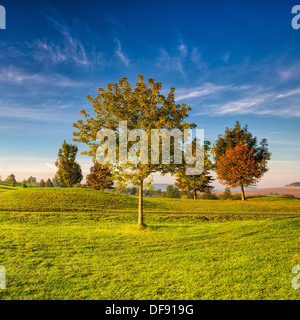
(294,184)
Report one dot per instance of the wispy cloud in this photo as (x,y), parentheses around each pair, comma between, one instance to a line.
(18,76)
(204,90)
(120,53)
(70,49)
(241,100)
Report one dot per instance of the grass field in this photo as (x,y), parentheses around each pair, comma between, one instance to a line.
(76,244)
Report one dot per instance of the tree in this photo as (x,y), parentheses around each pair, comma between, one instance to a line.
(119,187)
(133,191)
(69,171)
(11,180)
(143,107)
(24,184)
(237,135)
(239,167)
(42,183)
(31,179)
(49,184)
(195,183)
(171,192)
(226,195)
(55,181)
(100,177)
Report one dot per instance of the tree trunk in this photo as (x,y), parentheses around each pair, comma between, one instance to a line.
(195,194)
(140,219)
(243,192)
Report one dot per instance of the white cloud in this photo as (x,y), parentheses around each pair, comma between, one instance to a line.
(120,54)
(288,93)
(206,89)
(18,76)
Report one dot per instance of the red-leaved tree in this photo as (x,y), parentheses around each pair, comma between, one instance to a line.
(239,167)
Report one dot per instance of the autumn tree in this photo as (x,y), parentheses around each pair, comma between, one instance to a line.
(100,177)
(239,167)
(142,107)
(42,183)
(69,171)
(237,135)
(196,183)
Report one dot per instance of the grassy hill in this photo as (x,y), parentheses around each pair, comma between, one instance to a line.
(85,200)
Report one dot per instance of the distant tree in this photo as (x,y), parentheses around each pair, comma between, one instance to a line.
(69,171)
(171,192)
(239,167)
(133,191)
(239,135)
(119,187)
(55,181)
(11,180)
(42,183)
(100,177)
(226,195)
(24,184)
(49,184)
(196,183)
(31,180)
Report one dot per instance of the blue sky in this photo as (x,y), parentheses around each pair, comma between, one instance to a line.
(228,60)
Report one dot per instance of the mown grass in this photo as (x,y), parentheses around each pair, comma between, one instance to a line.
(85,200)
(78,244)
(105,256)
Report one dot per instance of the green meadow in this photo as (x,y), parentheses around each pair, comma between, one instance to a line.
(61,244)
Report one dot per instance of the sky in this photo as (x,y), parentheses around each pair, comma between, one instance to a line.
(228,60)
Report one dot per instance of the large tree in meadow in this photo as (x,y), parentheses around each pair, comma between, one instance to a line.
(69,171)
(238,167)
(232,137)
(143,107)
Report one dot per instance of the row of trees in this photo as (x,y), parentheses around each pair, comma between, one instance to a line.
(236,157)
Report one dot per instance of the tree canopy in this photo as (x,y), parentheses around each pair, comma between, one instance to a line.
(239,166)
(142,107)
(242,137)
(100,177)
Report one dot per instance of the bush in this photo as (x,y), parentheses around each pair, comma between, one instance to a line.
(186,195)
(207,195)
(79,185)
(291,196)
